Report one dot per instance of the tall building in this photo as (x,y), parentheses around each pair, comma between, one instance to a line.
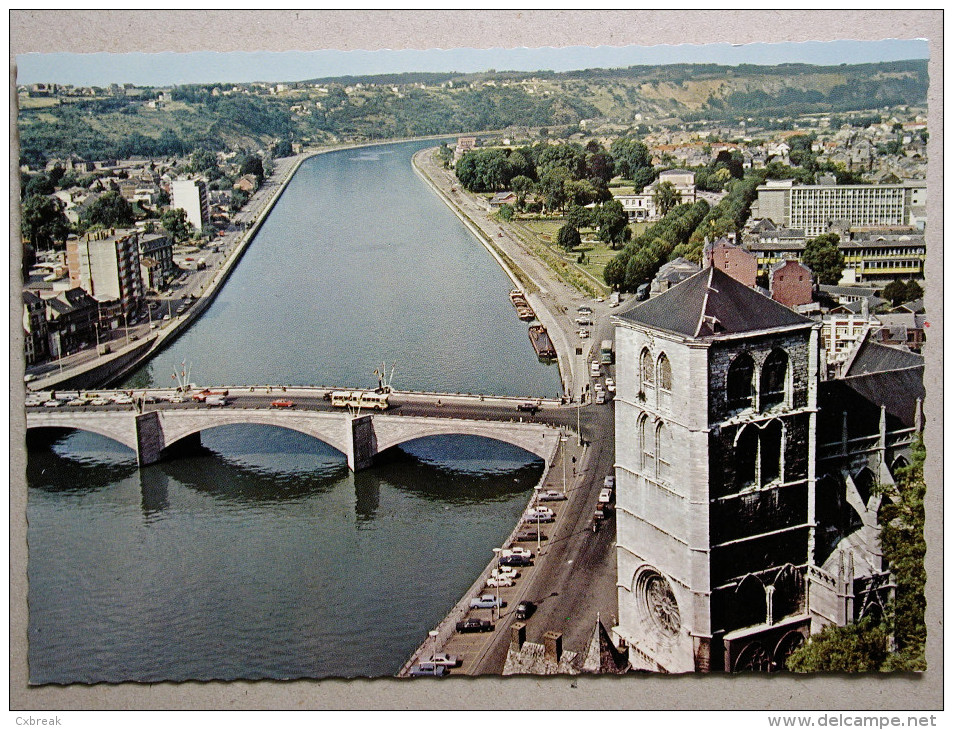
(192,197)
(106,265)
(814,208)
(730,552)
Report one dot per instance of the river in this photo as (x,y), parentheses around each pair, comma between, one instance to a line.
(262,556)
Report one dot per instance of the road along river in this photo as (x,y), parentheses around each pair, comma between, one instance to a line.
(261,556)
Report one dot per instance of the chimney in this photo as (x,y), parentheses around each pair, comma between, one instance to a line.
(517,635)
(553,646)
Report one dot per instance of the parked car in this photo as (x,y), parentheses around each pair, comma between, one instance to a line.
(487,600)
(282,404)
(600,397)
(605,496)
(445,660)
(428,669)
(539,514)
(551,495)
(530,407)
(500,582)
(530,535)
(518,551)
(525,609)
(610,385)
(505,571)
(78,402)
(471,625)
(516,560)
(583,334)
(53,403)
(609,482)
(99,402)
(121,400)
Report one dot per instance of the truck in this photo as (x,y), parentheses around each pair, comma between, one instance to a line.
(605,352)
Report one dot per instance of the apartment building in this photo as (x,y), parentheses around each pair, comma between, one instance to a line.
(106,265)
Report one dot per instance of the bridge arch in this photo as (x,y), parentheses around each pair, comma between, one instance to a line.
(111,428)
(332,431)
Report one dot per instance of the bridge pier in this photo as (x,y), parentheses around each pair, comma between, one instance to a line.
(362,443)
(149,438)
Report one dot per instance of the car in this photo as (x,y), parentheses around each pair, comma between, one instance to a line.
(610,385)
(428,669)
(529,535)
(282,403)
(609,482)
(99,402)
(445,660)
(551,495)
(166,316)
(500,582)
(517,560)
(33,402)
(600,397)
(531,407)
(505,571)
(487,600)
(78,402)
(525,609)
(153,325)
(605,496)
(53,403)
(597,386)
(176,399)
(600,513)
(583,334)
(471,625)
(542,514)
(517,551)
(121,400)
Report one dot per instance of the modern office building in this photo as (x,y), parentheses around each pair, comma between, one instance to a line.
(814,208)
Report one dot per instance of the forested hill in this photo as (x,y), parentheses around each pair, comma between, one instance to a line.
(122,122)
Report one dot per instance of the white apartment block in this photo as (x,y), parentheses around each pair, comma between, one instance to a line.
(192,197)
(814,208)
(105,264)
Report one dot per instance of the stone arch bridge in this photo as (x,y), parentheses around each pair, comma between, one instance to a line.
(359,437)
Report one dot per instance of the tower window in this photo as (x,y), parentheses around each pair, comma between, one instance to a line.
(739,382)
(774,379)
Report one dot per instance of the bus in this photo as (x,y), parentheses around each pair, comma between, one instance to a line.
(360,399)
(605,352)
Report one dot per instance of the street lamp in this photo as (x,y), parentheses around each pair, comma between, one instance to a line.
(433,635)
(496,552)
(536,515)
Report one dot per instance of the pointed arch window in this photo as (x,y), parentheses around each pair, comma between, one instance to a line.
(774,379)
(739,387)
(647,441)
(664,373)
(663,452)
(647,369)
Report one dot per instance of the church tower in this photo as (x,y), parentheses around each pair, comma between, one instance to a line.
(715,421)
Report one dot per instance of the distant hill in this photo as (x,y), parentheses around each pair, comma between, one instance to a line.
(360,108)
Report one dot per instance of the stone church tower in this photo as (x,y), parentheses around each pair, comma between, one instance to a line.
(715,436)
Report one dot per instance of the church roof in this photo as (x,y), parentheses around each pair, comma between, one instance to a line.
(710,304)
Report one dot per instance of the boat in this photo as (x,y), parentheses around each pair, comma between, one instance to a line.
(541,342)
(523,310)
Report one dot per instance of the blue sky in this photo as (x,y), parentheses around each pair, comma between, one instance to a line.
(160,69)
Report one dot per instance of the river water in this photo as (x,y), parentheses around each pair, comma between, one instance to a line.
(262,556)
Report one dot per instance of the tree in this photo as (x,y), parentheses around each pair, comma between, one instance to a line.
(860,647)
(282,148)
(44,221)
(579,217)
(629,155)
(823,257)
(899,291)
(613,223)
(552,187)
(505,213)
(666,197)
(521,186)
(203,160)
(252,165)
(568,237)
(111,210)
(176,223)
(38,185)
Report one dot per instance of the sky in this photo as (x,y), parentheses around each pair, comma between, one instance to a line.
(165,69)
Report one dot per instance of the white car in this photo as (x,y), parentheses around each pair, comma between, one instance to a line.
(54,403)
(597,387)
(501,582)
(122,400)
(445,660)
(583,334)
(551,495)
(78,402)
(600,397)
(517,551)
(610,385)
(99,402)
(505,572)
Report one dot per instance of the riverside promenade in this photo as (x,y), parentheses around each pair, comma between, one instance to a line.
(572,578)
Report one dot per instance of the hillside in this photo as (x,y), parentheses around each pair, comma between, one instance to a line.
(155,122)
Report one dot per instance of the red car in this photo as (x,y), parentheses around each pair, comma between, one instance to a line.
(282,404)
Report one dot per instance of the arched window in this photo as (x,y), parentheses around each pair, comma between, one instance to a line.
(746,457)
(646,446)
(739,386)
(664,373)
(663,452)
(774,379)
(771,438)
(647,369)
(899,463)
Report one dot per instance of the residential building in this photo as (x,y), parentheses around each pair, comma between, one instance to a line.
(815,207)
(35,344)
(156,248)
(192,197)
(641,206)
(72,319)
(735,261)
(105,264)
(792,284)
(745,515)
